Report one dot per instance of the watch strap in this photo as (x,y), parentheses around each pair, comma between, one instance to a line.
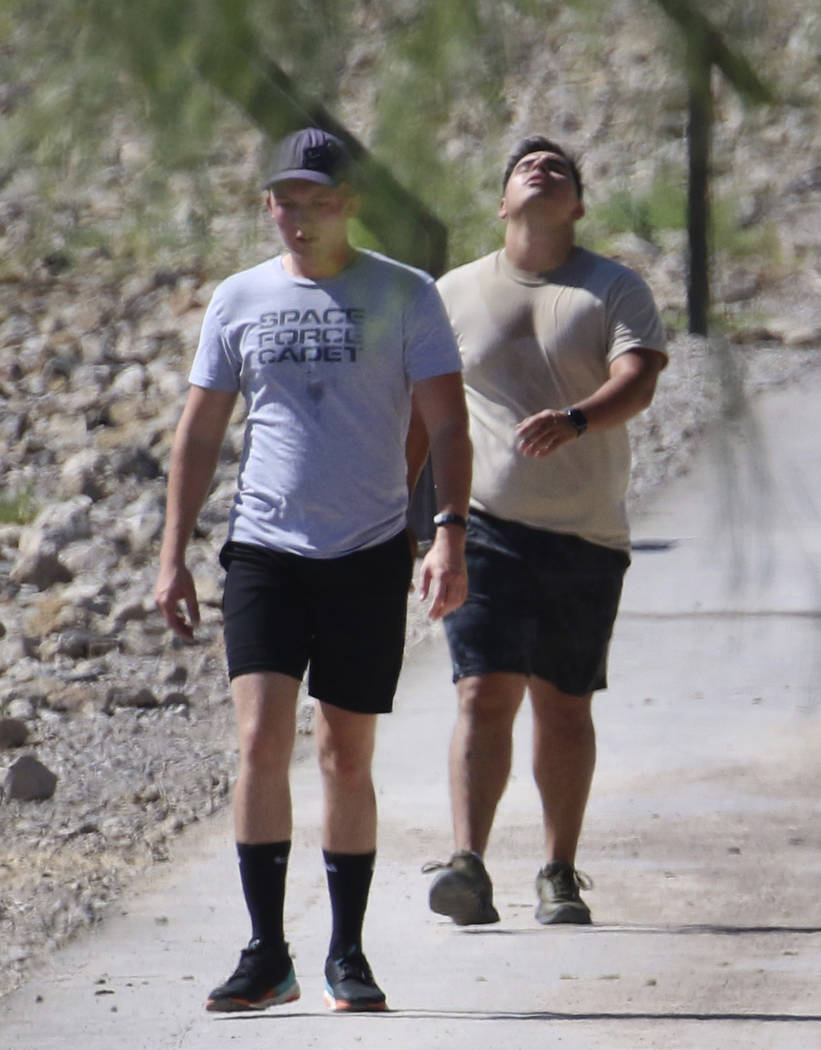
(449,518)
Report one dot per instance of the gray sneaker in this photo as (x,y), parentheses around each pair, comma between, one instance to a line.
(557,887)
(463,890)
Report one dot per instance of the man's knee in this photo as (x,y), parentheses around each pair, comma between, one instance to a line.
(562,714)
(345,744)
(265,707)
(490,699)
(344,772)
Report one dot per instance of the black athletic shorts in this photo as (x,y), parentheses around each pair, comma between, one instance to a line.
(343,618)
(539,603)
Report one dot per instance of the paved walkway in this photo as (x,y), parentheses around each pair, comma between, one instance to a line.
(702,835)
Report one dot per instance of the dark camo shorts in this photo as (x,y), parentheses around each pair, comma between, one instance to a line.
(539,603)
(342,618)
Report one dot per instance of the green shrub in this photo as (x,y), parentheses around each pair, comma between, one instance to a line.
(17,509)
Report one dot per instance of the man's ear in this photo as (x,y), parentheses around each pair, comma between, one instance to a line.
(352,204)
(269,202)
(502,209)
(578,211)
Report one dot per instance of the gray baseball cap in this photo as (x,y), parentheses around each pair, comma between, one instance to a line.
(311,154)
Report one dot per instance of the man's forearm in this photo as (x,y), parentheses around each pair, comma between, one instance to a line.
(192,470)
(194,457)
(452,460)
(616,401)
(628,390)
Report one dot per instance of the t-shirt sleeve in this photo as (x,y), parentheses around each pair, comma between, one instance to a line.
(430,345)
(633,320)
(216,365)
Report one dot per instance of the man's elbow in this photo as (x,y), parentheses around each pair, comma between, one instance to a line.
(646,393)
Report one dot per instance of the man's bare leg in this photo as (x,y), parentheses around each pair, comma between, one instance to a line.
(480,756)
(265,706)
(345,744)
(564,758)
(481,751)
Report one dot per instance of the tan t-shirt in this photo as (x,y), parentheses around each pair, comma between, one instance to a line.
(536,341)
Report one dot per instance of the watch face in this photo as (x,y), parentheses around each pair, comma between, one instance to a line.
(578,419)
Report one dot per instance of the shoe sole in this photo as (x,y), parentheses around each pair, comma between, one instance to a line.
(359,1006)
(461,904)
(565,915)
(276,998)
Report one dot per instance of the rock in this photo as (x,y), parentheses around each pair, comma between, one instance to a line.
(130,696)
(100,554)
(42,569)
(738,286)
(28,780)
(73,698)
(82,475)
(177,675)
(14,649)
(57,525)
(135,462)
(13,733)
(144,520)
(634,251)
(130,382)
(803,335)
(74,644)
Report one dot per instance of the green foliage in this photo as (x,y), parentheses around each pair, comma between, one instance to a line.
(662,207)
(161,66)
(738,241)
(17,508)
(187,78)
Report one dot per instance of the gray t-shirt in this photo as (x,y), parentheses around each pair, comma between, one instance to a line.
(326,369)
(536,341)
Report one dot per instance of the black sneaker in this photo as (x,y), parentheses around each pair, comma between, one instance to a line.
(557,887)
(463,891)
(264,977)
(349,984)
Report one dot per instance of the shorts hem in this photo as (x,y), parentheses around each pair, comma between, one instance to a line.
(351,709)
(458,675)
(244,669)
(479,672)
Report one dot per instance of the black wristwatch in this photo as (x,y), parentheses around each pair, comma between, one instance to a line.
(578,419)
(449,518)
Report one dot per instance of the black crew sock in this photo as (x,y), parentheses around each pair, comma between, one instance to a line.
(262,871)
(349,882)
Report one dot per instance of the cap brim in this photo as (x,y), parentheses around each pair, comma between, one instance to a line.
(302,173)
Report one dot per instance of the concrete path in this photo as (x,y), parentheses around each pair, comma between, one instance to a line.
(703,834)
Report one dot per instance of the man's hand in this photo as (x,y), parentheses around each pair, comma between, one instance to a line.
(543,433)
(175,588)
(443,576)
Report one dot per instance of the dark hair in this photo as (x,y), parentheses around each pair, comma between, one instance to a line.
(539,144)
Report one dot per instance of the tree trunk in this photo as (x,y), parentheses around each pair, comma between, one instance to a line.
(699,129)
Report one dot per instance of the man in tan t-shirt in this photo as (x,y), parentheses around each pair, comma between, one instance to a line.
(560,348)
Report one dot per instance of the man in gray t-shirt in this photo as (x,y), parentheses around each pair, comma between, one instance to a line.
(560,347)
(347,366)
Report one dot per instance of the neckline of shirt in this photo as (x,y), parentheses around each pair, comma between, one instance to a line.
(342,274)
(534,279)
